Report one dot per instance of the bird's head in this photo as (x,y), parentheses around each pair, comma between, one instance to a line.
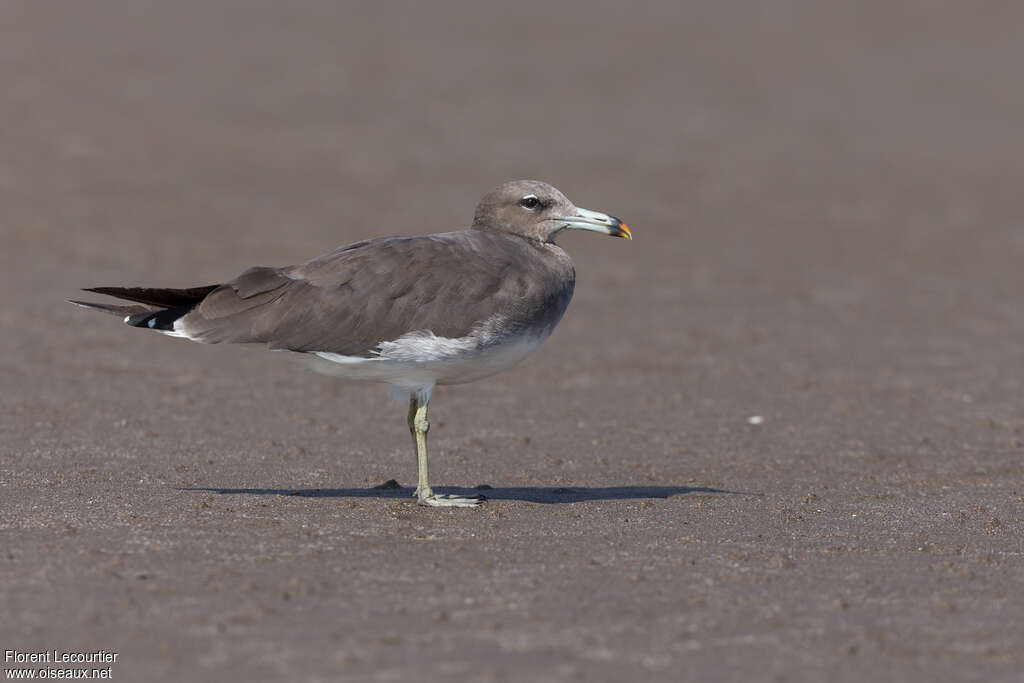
(539,211)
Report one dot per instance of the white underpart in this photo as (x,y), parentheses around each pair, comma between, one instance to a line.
(178,331)
(418,360)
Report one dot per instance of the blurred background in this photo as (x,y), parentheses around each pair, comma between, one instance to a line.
(827,211)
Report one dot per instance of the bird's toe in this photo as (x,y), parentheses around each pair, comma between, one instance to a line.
(445,500)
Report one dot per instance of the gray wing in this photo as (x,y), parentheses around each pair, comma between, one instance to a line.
(351,299)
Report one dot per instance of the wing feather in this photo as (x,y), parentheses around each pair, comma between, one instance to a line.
(351,299)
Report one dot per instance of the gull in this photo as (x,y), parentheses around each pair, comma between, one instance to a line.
(414,312)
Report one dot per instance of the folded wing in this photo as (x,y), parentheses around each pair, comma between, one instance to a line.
(350,300)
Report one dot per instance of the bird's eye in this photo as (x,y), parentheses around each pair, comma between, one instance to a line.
(529,202)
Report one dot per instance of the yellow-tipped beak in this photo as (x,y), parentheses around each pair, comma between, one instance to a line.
(597,222)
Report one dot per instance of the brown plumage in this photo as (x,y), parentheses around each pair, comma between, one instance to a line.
(354,298)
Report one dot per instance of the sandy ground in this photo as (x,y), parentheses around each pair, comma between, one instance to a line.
(827,207)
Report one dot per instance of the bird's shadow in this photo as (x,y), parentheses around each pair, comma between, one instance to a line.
(530,494)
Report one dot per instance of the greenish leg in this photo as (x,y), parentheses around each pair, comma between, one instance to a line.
(418,427)
(413,405)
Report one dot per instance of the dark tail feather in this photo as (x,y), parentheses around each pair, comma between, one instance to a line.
(162,306)
(161,297)
(159,320)
(123,311)
(140,316)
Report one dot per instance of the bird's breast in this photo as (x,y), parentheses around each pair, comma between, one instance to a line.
(422,358)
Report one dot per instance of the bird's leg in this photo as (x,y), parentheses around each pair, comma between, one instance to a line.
(419,426)
(420,464)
